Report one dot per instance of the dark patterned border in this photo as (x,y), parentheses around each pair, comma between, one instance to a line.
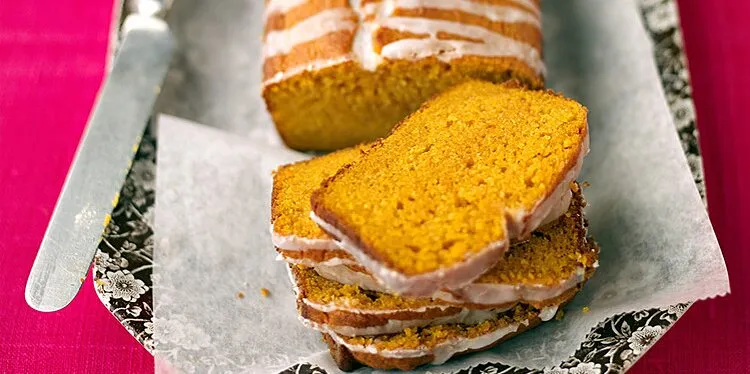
(124,260)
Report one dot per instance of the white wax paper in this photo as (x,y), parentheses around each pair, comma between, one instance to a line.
(213,191)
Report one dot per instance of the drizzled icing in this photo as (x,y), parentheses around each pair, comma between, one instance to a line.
(282,6)
(495,13)
(475,293)
(391,326)
(281,42)
(373,16)
(441,352)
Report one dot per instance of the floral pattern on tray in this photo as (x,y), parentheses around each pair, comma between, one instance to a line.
(124,260)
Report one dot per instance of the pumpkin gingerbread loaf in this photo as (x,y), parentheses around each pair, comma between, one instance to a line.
(338,73)
(436,204)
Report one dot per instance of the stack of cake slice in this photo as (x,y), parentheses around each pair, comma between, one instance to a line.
(461,229)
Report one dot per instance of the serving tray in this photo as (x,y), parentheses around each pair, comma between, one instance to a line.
(124,260)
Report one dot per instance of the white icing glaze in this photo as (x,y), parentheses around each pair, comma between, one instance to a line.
(548,313)
(281,6)
(335,261)
(474,293)
(495,13)
(327,308)
(363,50)
(425,284)
(314,65)
(441,352)
(280,42)
(521,223)
(392,326)
(299,243)
(492,45)
(345,275)
(529,4)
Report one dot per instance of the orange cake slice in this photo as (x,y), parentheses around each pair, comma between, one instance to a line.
(296,237)
(431,344)
(556,258)
(436,203)
(543,272)
(338,73)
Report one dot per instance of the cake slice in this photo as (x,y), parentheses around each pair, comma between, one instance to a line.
(556,258)
(436,204)
(430,345)
(296,237)
(542,272)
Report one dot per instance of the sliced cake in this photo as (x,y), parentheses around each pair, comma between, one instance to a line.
(543,271)
(436,204)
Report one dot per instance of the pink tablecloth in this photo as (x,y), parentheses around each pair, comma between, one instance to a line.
(52,57)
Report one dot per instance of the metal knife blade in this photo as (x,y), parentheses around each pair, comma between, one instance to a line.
(101,163)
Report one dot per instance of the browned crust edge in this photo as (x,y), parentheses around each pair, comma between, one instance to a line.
(363,319)
(360,320)
(348,360)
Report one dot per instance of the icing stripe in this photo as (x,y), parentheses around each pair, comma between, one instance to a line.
(282,6)
(281,42)
(531,4)
(495,13)
(495,45)
(314,65)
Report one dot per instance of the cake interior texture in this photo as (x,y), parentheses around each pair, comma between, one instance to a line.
(293,185)
(438,190)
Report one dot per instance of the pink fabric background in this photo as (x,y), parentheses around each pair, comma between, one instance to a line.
(52,56)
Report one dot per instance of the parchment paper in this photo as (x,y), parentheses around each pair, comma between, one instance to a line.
(212,204)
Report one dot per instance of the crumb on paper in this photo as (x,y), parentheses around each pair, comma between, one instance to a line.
(586,184)
(559,315)
(82,279)
(265,292)
(240,295)
(574,186)
(586,309)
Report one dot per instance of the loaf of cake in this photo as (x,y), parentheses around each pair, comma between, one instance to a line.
(337,74)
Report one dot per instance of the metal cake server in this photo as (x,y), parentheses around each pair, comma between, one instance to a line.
(103,158)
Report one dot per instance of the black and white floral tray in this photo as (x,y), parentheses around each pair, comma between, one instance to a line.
(124,260)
